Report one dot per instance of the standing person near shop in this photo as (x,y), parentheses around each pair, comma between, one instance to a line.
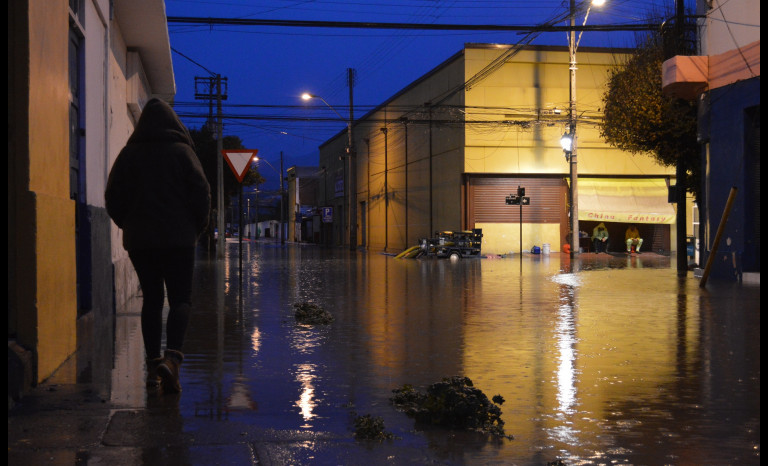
(632,238)
(600,238)
(159,196)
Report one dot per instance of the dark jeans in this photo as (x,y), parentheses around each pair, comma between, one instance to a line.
(158,269)
(600,246)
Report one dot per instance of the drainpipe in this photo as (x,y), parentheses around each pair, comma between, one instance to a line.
(386,193)
(429,104)
(404,121)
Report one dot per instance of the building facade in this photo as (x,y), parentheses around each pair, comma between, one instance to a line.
(79,73)
(444,153)
(301,204)
(725,80)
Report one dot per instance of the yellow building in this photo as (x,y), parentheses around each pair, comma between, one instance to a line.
(79,73)
(445,152)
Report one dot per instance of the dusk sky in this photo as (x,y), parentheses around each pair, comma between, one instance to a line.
(269,67)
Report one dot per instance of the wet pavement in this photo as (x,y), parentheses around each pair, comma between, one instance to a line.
(607,359)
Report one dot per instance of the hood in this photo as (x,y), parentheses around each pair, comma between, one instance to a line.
(601,225)
(159,123)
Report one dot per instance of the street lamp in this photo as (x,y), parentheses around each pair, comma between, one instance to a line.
(350,185)
(566,141)
(569,139)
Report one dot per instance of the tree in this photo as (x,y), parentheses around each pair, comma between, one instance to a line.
(638,118)
(206,149)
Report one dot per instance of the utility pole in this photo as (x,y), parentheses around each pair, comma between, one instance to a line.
(204,91)
(282,206)
(351,160)
(574,173)
(220,170)
(680,168)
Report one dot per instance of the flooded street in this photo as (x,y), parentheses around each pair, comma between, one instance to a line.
(606,360)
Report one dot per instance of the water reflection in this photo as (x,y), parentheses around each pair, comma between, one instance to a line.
(634,261)
(305,375)
(255,340)
(600,360)
(565,332)
(240,397)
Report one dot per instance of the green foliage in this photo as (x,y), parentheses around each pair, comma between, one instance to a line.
(638,118)
(371,428)
(453,403)
(308,313)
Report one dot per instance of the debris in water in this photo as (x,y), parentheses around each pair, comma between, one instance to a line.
(454,403)
(371,428)
(308,313)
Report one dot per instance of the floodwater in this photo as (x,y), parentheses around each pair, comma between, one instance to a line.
(606,360)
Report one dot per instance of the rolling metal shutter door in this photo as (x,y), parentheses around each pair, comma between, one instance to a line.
(487,200)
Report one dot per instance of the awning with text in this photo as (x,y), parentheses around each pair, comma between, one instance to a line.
(625,200)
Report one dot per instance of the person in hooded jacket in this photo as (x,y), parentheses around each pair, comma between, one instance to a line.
(600,238)
(157,193)
(632,238)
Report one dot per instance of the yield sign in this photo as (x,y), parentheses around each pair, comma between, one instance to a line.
(240,161)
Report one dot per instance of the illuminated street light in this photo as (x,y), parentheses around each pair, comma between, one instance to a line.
(571,140)
(566,142)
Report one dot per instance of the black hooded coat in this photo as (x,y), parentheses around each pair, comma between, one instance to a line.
(157,192)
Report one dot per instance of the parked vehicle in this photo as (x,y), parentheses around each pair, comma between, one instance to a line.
(450,244)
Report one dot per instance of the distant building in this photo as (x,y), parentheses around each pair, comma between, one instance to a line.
(725,80)
(445,152)
(302,198)
(79,74)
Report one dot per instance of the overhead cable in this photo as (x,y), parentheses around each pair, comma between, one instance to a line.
(210,21)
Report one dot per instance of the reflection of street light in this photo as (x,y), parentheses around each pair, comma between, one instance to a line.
(350,185)
(572,141)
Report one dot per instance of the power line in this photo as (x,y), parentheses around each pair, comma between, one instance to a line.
(193,61)
(421,26)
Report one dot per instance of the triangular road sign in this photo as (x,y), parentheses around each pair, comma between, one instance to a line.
(239,161)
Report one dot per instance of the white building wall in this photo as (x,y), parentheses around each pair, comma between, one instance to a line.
(120,123)
(96,95)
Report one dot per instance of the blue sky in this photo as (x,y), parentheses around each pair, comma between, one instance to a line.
(269,67)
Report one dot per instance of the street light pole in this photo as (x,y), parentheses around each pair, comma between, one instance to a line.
(574,174)
(352,168)
(350,185)
(572,117)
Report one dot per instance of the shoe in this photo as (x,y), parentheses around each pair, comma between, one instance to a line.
(637,252)
(169,371)
(153,379)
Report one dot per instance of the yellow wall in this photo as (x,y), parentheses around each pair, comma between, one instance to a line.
(525,93)
(387,206)
(56,293)
(55,303)
(503,238)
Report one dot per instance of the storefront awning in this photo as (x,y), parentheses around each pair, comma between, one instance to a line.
(625,200)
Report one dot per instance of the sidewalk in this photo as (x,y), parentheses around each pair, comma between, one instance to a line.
(72,425)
